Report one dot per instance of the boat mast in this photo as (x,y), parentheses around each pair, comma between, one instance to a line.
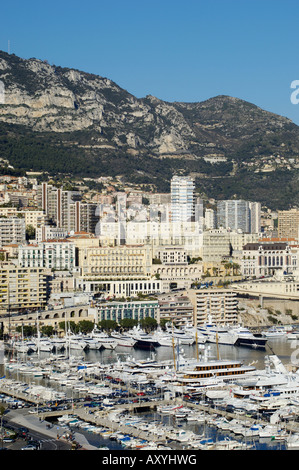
(173,347)
(38,334)
(217,345)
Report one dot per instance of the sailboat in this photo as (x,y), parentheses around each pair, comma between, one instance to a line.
(42,344)
(24,346)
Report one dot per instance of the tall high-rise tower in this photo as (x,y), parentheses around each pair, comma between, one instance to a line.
(182,199)
(239,215)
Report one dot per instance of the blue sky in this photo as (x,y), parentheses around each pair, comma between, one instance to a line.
(176,50)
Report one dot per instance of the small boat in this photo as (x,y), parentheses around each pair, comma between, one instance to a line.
(272,431)
(274,332)
(169,409)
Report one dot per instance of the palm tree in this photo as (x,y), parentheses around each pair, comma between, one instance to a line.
(228,267)
(236,268)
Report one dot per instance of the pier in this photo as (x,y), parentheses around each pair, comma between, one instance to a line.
(84,414)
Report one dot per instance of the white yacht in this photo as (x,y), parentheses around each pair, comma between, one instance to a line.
(143,340)
(182,336)
(244,337)
(59,343)
(164,338)
(293,334)
(292,442)
(123,340)
(202,375)
(107,341)
(93,343)
(76,342)
(198,336)
(44,344)
(274,332)
(26,347)
(217,334)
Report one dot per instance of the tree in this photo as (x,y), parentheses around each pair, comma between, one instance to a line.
(127,323)
(30,232)
(227,267)
(85,326)
(108,325)
(47,330)
(215,271)
(26,330)
(163,322)
(148,323)
(71,326)
(236,268)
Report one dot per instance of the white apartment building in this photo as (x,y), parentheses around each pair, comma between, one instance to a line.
(238,240)
(177,276)
(219,306)
(51,254)
(12,230)
(34,218)
(239,215)
(48,232)
(174,270)
(113,288)
(153,232)
(216,245)
(182,199)
(172,255)
(210,220)
(177,308)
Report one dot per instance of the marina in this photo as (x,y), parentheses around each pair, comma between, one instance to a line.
(149,228)
(209,396)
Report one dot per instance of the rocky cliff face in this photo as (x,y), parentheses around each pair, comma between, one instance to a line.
(46,98)
(52,99)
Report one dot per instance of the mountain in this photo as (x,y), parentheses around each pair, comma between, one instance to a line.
(63,120)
